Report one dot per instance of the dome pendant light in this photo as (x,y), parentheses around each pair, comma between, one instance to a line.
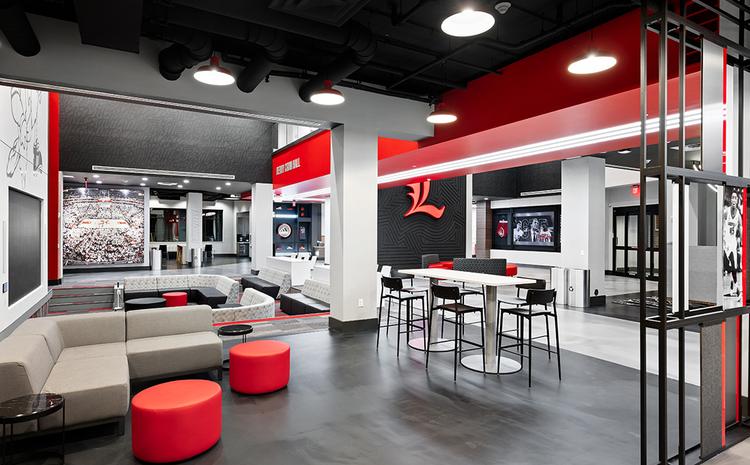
(441,116)
(591,64)
(327,95)
(467,23)
(214,74)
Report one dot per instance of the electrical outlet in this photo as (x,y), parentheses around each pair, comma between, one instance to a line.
(361,303)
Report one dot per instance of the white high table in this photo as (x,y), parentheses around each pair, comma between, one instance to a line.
(298,268)
(491,283)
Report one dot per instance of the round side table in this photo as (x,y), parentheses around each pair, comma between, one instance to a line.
(234,330)
(145,302)
(30,408)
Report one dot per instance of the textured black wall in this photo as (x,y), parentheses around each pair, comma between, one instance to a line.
(402,241)
(104,132)
(511,182)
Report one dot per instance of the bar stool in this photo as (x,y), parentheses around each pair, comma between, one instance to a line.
(397,291)
(518,300)
(459,310)
(535,298)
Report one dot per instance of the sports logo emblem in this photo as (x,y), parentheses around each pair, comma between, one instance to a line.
(419,193)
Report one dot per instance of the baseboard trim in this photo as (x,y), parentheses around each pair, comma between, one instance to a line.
(355,326)
(598,300)
(54,282)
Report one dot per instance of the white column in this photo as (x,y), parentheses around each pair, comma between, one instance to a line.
(261,224)
(194,229)
(325,228)
(583,218)
(353,243)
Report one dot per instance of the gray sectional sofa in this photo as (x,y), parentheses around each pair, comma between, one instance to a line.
(92,358)
(314,298)
(270,282)
(205,289)
(254,305)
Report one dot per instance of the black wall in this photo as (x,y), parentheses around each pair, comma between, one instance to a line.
(24,245)
(402,241)
(104,132)
(511,182)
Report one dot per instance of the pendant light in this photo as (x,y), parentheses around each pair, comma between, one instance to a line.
(327,95)
(440,115)
(593,62)
(467,23)
(214,74)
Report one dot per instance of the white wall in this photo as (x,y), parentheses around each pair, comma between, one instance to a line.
(33,108)
(228,245)
(620,196)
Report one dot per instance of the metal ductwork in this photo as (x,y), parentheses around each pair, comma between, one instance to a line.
(15,25)
(359,40)
(271,41)
(189,48)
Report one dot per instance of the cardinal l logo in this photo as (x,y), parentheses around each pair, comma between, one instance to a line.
(419,193)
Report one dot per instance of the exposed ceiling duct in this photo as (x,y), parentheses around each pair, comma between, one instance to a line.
(15,25)
(189,48)
(357,39)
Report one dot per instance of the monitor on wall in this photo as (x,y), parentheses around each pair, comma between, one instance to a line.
(24,245)
(528,228)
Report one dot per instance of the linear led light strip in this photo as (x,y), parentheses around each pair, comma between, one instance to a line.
(176,174)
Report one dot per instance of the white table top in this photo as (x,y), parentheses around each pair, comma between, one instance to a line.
(288,259)
(467,277)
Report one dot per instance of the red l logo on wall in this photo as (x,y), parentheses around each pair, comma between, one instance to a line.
(419,193)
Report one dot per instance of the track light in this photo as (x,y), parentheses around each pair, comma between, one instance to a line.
(214,74)
(327,95)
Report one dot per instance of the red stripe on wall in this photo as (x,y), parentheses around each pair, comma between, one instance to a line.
(723,384)
(54,241)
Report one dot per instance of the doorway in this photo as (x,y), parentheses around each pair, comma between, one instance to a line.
(625,241)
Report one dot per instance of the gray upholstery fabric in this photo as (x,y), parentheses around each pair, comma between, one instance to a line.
(429,259)
(155,322)
(494,266)
(94,388)
(91,328)
(25,363)
(174,354)
(47,328)
(93,351)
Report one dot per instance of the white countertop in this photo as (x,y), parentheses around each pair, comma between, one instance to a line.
(467,277)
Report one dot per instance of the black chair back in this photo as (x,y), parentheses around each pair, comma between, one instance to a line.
(397,274)
(446,292)
(391,283)
(495,266)
(429,259)
(540,296)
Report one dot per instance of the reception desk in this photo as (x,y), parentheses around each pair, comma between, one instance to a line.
(298,268)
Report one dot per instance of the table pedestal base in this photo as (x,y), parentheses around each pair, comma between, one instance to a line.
(441,345)
(507,365)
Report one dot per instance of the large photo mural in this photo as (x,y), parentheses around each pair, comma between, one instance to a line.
(103,226)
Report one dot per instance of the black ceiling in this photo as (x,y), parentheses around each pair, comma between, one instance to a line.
(413,57)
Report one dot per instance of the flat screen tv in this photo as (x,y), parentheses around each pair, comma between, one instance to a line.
(529,228)
(24,245)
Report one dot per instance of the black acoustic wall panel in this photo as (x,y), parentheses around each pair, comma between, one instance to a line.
(512,181)
(403,241)
(104,132)
(24,245)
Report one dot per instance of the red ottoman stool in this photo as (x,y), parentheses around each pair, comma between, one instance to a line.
(176,420)
(175,299)
(511,269)
(259,367)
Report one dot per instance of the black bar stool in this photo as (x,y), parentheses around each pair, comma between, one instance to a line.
(537,304)
(396,291)
(518,300)
(458,309)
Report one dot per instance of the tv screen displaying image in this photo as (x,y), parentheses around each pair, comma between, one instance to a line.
(534,229)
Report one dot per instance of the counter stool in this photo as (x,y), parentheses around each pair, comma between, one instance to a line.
(459,310)
(537,304)
(518,300)
(401,294)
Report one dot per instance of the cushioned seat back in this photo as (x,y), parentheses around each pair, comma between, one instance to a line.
(317,290)
(48,329)
(202,280)
(494,266)
(279,278)
(172,282)
(140,283)
(156,322)
(429,259)
(229,287)
(25,364)
(91,328)
(252,297)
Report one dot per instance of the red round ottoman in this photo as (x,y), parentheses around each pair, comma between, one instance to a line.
(511,269)
(176,420)
(259,367)
(175,299)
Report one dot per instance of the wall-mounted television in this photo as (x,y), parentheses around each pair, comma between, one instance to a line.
(528,228)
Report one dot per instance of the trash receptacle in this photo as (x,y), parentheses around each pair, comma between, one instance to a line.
(118,302)
(578,288)
(155,259)
(559,282)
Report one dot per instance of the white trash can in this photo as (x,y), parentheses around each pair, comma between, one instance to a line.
(559,282)
(578,288)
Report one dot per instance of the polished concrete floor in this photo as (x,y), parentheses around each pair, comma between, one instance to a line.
(350,404)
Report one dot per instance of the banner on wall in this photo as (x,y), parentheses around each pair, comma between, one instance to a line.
(732,224)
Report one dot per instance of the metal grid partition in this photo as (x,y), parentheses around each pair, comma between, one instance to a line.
(669,24)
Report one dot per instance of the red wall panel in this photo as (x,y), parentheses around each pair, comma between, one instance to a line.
(54,241)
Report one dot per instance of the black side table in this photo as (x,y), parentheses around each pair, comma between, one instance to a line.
(30,408)
(145,302)
(234,330)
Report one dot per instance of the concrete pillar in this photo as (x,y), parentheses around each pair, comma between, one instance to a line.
(583,221)
(353,242)
(325,228)
(194,228)
(261,224)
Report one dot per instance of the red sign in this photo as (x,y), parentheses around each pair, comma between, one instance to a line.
(635,189)
(419,193)
(502,228)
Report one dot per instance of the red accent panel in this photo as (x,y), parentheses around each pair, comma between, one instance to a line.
(723,383)
(308,159)
(388,147)
(419,193)
(176,420)
(54,241)
(259,367)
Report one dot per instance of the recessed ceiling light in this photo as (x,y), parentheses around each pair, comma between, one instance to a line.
(125,181)
(327,95)
(186,181)
(592,64)
(143,184)
(624,151)
(218,188)
(166,183)
(68,176)
(179,186)
(214,74)
(227,183)
(98,182)
(486,198)
(96,175)
(144,179)
(467,23)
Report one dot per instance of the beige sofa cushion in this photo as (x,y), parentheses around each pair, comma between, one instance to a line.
(165,321)
(25,363)
(173,354)
(94,388)
(93,351)
(47,328)
(91,328)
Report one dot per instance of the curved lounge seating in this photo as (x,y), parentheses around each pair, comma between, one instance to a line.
(254,305)
(204,289)
(270,282)
(314,298)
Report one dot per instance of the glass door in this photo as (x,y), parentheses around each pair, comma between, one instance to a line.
(625,222)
